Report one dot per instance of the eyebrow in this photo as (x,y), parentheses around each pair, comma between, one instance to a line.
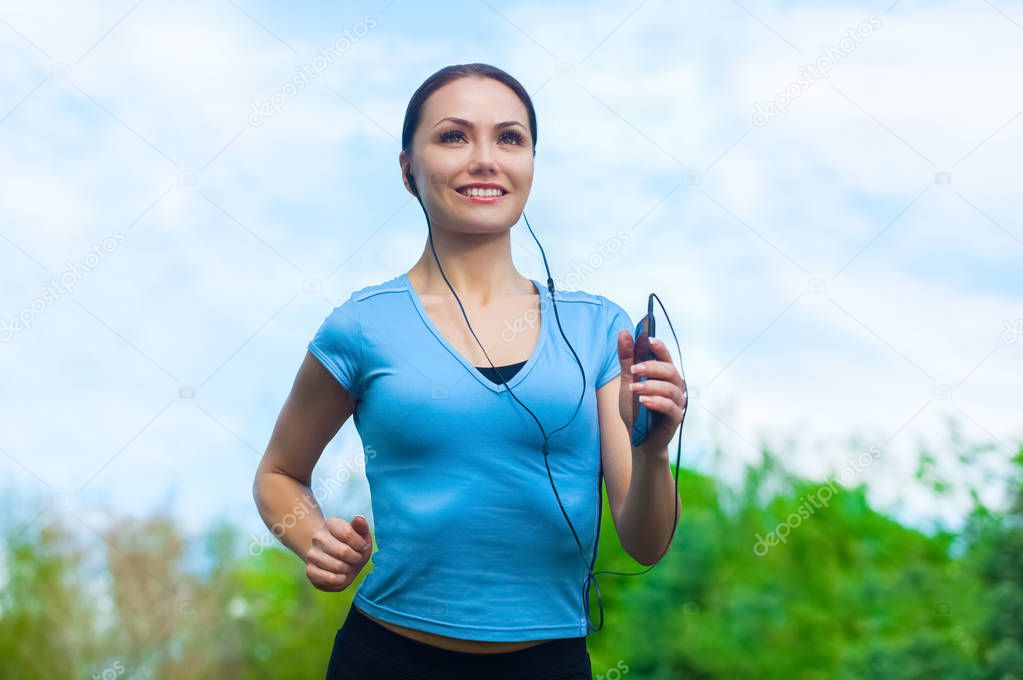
(462,121)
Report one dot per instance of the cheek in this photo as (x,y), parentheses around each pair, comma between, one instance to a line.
(438,167)
(523,176)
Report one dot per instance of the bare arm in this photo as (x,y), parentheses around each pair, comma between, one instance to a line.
(640,488)
(316,408)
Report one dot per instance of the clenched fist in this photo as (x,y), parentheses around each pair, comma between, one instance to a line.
(340,549)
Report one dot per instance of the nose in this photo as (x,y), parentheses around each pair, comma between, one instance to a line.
(481,159)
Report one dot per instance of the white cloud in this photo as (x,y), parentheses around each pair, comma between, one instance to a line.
(191,286)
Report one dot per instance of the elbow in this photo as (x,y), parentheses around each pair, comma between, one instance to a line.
(257,490)
(641,554)
(257,478)
(647,560)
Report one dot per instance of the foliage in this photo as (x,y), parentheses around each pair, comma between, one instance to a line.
(847,593)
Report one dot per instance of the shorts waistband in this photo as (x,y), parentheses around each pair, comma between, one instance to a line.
(394,649)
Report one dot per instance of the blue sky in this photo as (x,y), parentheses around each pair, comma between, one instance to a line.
(131,122)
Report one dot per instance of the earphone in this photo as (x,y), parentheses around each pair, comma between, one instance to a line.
(591,575)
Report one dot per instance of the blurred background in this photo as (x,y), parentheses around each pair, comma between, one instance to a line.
(824,195)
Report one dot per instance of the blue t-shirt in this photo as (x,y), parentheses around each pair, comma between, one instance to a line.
(470,541)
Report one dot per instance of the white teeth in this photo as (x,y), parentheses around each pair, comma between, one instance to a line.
(476,191)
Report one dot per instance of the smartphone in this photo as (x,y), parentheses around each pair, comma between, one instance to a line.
(643,419)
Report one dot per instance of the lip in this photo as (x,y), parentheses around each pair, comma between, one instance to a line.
(482,199)
(482,185)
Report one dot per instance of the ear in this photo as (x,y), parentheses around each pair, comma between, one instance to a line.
(406,169)
(403,161)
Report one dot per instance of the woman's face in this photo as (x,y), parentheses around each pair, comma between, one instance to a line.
(492,146)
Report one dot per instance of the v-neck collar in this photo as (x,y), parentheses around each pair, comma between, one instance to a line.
(483,380)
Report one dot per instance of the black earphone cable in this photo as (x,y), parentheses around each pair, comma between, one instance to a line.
(591,575)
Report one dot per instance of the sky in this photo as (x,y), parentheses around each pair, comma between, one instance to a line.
(824,196)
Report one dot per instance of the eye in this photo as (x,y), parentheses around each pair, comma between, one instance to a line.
(449,135)
(453,135)
(514,135)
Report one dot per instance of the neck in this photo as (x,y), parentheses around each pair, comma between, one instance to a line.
(478,266)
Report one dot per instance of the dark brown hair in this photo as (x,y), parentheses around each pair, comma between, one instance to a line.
(454,72)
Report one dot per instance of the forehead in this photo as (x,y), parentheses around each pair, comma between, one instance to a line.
(479,100)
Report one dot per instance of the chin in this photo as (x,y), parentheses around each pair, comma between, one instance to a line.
(480,224)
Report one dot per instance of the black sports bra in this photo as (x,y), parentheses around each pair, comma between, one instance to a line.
(507,371)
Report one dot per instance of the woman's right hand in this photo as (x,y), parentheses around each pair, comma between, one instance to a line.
(340,549)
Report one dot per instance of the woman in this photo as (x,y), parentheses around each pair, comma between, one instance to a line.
(477,574)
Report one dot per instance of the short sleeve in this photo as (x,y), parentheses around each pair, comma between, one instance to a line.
(615,320)
(338,345)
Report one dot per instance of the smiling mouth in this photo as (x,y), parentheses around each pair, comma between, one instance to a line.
(490,197)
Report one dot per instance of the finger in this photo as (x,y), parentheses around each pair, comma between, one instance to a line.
(661,388)
(662,370)
(341,551)
(361,525)
(344,548)
(344,532)
(337,527)
(324,580)
(652,368)
(660,350)
(327,562)
(625,349)
(662,405)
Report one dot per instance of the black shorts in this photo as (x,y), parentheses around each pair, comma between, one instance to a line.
(365,650)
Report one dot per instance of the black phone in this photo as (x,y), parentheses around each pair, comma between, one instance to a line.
(643,419)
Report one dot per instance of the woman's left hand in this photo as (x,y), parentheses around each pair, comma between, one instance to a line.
(664,391)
